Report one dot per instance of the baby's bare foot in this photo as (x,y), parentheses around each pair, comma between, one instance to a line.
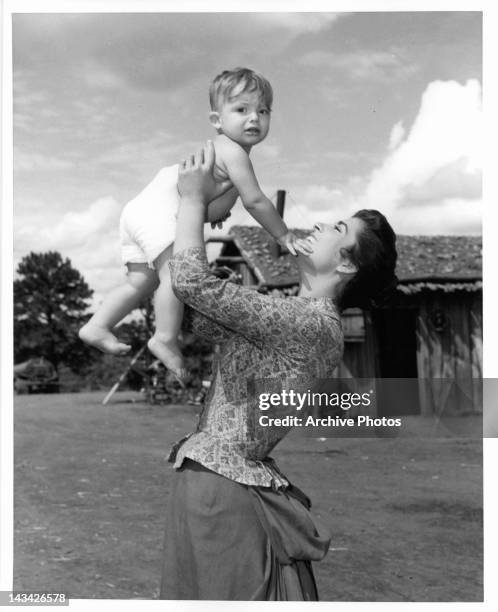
(169,354)
(102,339)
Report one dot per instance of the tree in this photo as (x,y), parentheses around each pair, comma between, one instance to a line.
(50,301)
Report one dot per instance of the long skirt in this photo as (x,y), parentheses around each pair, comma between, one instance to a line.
(228,541)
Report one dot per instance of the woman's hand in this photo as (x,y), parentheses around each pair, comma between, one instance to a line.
(195,177)
(294,244)
(197,188)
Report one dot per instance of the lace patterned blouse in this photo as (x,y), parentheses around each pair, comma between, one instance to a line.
(263,341)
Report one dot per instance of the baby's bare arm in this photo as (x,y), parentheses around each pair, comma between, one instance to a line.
(239,168)
(218,209)
(232,158)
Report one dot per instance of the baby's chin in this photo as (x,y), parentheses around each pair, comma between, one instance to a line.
(248,142)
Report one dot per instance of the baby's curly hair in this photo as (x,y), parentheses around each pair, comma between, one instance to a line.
(232,83)
(375,256)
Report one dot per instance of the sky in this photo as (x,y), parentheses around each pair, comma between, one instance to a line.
(371,110)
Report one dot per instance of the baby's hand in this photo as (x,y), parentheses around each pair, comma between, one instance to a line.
(219,224)
(295,244)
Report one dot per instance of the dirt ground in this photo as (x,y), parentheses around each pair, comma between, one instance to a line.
(91,483)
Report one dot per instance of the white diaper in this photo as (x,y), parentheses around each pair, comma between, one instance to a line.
(148,222)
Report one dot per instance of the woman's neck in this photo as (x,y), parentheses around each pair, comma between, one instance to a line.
(314,292)
(316,286)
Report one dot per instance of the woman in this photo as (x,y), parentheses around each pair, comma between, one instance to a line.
(236,528)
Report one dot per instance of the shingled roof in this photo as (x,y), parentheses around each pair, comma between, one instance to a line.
(431,262)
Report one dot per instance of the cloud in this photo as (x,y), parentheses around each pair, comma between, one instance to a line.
(164,51)
(267,153)
(397,134)
(433,175)
(90,238)
(452,181)
(366,64)
(76,229)
(298,23)
(319,198)
(28,102)
(449,216)
(143,157)
(98,76)
(23,91)
(28,162)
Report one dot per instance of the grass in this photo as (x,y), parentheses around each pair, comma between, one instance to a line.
(91,484)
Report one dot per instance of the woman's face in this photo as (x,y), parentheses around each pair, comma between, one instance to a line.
(329,239)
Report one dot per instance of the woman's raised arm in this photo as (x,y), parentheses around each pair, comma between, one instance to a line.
(260,318)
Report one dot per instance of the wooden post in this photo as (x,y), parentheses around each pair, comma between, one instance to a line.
(275,248)
(122,377)
(281,202)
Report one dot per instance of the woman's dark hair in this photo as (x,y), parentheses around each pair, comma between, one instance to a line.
(375,256)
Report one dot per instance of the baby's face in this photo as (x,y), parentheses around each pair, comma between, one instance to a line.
(244,119)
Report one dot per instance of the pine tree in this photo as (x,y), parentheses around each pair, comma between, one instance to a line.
(50,301)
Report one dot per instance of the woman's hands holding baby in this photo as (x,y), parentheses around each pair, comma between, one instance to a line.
(195,177)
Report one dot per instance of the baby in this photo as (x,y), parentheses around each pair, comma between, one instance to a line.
(241,101)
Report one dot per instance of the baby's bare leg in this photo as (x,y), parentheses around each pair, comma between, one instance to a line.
(169,313)
(140,282)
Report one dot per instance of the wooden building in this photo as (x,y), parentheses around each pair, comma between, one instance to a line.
(429,334)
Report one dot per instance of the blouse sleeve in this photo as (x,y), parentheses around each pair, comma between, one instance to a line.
(202,326)
(260,318)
